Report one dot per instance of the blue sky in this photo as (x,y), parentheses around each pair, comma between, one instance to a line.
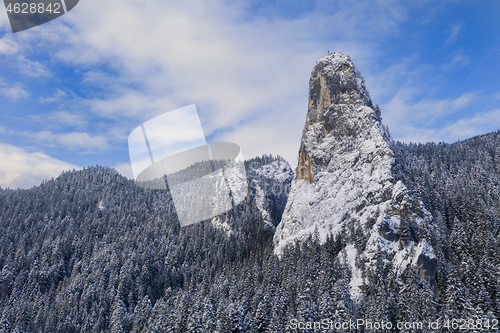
(73,89)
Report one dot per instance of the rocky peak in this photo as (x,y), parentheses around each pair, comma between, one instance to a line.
(339,108)
(335,80)
(344,182)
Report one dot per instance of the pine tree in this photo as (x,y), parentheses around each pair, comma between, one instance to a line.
(261,315)
(141,314)
(208,317)
(458,303)
(223,324)
(116,322)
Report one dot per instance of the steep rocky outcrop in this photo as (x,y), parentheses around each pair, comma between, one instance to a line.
(344,183)
(269,184)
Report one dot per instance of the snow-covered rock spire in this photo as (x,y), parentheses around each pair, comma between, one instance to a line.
(344,181)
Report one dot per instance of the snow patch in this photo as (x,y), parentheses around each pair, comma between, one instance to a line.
(356,279)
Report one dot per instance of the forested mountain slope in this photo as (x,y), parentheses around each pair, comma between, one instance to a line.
(460,184)
(90,246)
(92,252)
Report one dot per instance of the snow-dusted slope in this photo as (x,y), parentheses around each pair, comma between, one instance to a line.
(268,179)
(269,184)
(344,179)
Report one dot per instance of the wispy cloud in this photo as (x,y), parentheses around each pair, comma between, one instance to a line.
(61,119)
(125,169)
(58,95)
(8,47)
(461,129)
(13,92)
(412,104)
(246,73)
(456,61)
(428,110)
(455,32)
(480,123)
(74,140)
(420,120)
(32,69)
(197,55)
(20,168)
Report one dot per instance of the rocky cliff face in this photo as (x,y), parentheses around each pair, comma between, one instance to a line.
(269,184)
(344,183)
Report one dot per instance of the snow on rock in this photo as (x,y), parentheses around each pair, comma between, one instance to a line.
(356,279)
(269,182)
(344,179)
(260,201)
(278,170)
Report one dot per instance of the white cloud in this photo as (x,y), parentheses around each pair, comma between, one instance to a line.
(238,70)
(411,105)
(125,170)
(456,61)
(247,75)
(275,134)
(427,110)
(386,83)
(8,47)
(74,140)
(32,69)
(13,92)
(20,168)
(68,119)
(405,116)
(58,95)
(455,31)
(461,129)
(59,119)
(480,123)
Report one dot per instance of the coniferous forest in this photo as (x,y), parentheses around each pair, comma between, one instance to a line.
(92,252)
